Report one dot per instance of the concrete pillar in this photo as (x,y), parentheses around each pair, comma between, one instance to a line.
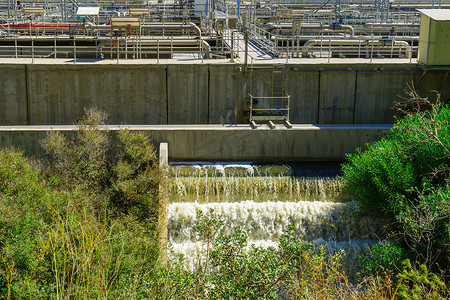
(163,199)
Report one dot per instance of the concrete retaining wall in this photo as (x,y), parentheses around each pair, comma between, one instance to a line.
(234,143)
(160,94)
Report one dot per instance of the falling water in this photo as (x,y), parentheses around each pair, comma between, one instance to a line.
(264,199)
(236,182)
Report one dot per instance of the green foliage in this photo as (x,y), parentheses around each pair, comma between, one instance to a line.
(83,159)
(88,233)
(119,181)
(319,271)
(425,221)
(405,176)
(420,283)
(380,177)
(135,176)
(237,272)
(384,258)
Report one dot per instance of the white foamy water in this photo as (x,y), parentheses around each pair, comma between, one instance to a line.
(193,252)
(269,220)
(276,201)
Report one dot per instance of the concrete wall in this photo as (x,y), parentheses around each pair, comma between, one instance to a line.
(58,94)
(13,95)
(175,93)
(234,143)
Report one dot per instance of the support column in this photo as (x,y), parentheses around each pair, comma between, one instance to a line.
(163,199)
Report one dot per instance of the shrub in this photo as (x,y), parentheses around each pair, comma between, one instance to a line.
(384,258)
(421,283)
(89,234)
(405,176)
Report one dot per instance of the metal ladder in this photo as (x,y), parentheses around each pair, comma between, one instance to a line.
(275,107)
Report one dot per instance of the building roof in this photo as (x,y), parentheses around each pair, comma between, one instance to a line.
(437,14)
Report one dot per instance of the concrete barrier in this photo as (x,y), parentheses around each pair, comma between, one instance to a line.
(228,143)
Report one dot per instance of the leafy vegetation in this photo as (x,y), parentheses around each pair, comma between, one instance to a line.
(385,258)
(70,235)
(406,176)
(84,224)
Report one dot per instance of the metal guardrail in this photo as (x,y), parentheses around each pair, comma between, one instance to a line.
(263,38)
(269,108)
(118,49)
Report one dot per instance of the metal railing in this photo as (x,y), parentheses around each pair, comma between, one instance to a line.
(118,49)
(269,108)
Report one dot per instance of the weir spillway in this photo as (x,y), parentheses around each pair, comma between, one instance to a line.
(266,200)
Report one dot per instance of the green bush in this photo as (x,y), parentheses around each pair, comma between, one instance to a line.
(420,283)
(90,231)
(405,176)
(380,177)
(384,258)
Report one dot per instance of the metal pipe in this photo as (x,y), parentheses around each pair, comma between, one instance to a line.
(347,28)
(311,43)
(189,25)
(159,42)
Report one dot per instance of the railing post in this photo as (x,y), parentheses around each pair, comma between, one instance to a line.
(371,51)
(232,46)
(117,56)
(329,50)
(32,50)
(15,44)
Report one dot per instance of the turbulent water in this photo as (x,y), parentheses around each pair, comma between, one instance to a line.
(238,182)
(264,200)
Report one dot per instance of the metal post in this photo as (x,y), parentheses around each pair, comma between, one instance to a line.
(387,11)
(117,56)
(329,50)
(15,44)
(55,45)
(371,51)
(232,46)
(239,9)
(74,51)
(157,51)
(392,47)
(32,50)
(246,49)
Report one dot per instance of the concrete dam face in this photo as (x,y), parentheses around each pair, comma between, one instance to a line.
(210,93)
(200,108)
